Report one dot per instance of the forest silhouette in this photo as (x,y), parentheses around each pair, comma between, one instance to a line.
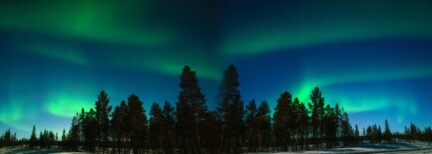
(235,126)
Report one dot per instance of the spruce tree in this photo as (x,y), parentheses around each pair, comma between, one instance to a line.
(338,113)
(303,125)
(119,124)
(33,138)
(74,135)
(89,129)
(168,127)
(317,109)
(329,123)
(264,138)
(356,134)
(251,126)
(64,139)
(191,110)
(387,133)
(137,124)
(156,127)
(41,140)
(346,130)
(295,123)
(281,120)
(379,134)
(231,110)
(102,112)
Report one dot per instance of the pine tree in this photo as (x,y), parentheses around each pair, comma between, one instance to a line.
(33,140)
(6,138)
(168,127)
(64,139)
(356,134)
(329,124)
(294,123)
(191,110)
(379,135)
(346,130)
(264,139)
(251,126)
(119,126)
(387,132)
(413,132)
(156,127)
(231,110)
(303,125)
(73,135)
(41,140)
(137,124)
(182,126)
(338,114)
(50,139)
(281,120)
(89,126)
(102,112)
(317,109)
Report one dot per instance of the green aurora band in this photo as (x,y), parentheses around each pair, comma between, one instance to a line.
(78,19)
(381,100)
(319,25)
(67,105)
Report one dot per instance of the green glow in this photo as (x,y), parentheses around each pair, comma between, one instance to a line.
(202,71)
(265,40)
(373,103)
(404,104)
(64,53)
(67,105)
(13,113)
(170,63)
(104,21)
(403,72)
(363,22)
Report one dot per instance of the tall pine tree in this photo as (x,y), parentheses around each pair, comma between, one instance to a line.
(281,119)
(102,112)
(317,109)
(156,127)
(303,125)
(33,138)
(191,110)
(73,138)
(168,127)
(251,126)
(231,111)
(264,132)
(387,133)
(119,127)
(89,126)
(346,130)
(137,124)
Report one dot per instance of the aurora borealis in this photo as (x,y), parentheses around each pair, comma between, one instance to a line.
(374,58)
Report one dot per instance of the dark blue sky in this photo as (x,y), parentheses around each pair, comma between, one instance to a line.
(371,57)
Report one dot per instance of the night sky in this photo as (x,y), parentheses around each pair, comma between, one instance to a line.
(374,58)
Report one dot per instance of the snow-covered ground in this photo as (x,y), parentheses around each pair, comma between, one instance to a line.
(396,147)
(25,150)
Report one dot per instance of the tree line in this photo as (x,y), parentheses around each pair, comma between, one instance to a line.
(234,126)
